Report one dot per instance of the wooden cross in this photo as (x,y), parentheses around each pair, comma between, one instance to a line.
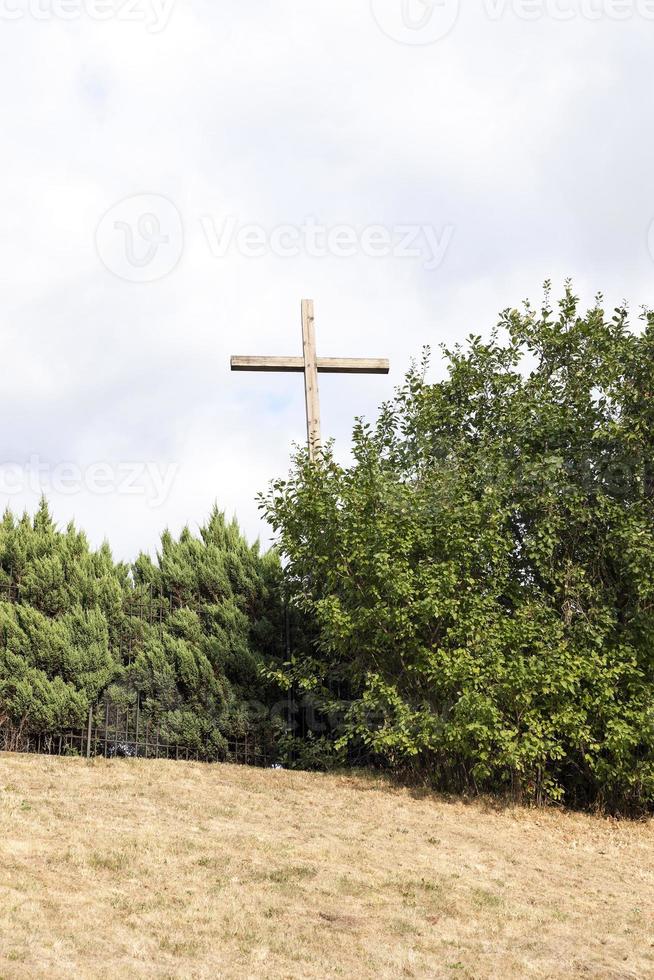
(311,366)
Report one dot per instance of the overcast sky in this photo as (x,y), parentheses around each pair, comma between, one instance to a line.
(175,177)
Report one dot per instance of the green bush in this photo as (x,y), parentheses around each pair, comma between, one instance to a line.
(186,634)
(58,605)
(481,578)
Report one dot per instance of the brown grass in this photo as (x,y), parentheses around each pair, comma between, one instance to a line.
(160,869)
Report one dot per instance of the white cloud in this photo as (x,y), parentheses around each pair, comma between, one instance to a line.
(530,138)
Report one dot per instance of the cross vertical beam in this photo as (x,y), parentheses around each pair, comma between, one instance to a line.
(311,377)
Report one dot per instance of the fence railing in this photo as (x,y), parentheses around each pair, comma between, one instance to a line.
(120,730)
(245,751)
(117,731)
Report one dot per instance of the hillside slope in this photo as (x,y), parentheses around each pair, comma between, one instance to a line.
(162,869)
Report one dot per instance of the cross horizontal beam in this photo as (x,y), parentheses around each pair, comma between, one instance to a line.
(326,365)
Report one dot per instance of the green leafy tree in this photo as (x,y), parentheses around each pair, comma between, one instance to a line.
(481,577)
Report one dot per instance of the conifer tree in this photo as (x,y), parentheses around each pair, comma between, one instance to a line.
(59,605)
(200,673)
(186,634)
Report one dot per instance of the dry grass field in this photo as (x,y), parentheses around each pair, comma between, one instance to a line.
(159,869)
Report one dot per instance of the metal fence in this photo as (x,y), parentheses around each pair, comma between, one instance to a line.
(117,731)
(120,730)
